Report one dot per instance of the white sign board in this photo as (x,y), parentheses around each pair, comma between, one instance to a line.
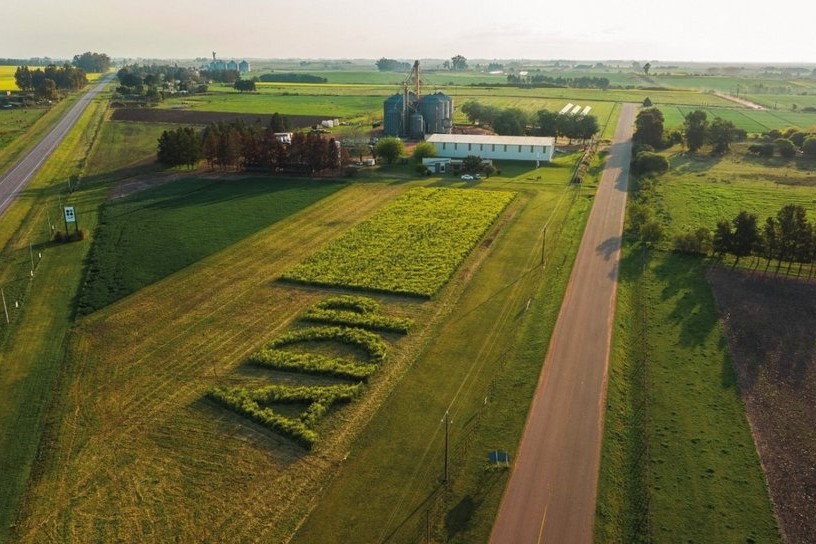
(70,216)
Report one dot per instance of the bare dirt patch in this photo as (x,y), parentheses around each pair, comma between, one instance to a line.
(770,324)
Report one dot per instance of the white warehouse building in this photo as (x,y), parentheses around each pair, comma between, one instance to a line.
(507,148)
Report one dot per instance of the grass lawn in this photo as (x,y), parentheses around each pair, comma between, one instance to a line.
(15,122)
(679,462)
(145,237)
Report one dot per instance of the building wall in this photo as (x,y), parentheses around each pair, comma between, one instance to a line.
(495,151)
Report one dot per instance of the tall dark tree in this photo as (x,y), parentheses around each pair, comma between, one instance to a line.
(92,62)
(745,238)
(722,134)
(649,127)
(695,129)
(793,228)
(646,68)
(459,63)
(511,122)
(547,123)
(723,238)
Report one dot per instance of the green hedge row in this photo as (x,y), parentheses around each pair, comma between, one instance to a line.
(352,311)
(309,363)
(253,404)
(371,343)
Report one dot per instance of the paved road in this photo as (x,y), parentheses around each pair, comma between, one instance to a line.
(551,493)
(21,173)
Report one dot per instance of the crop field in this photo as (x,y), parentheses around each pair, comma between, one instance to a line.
(412,247)
(156,232)
(752,121)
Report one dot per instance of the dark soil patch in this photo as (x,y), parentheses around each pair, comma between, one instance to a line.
(770,325)
(187,117)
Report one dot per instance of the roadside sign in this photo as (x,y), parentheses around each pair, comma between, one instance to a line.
(70,215)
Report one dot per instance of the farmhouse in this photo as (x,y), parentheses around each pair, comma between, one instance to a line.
(512,148)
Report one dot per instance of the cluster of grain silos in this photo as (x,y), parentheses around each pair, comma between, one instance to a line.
(407,114)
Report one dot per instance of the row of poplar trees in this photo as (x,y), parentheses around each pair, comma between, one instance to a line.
(239,146)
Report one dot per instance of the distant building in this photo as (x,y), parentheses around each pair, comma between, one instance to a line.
(508,148)
(218,65)
(232,65)
(243,67)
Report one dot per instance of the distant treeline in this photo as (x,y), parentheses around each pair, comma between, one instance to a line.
(33,61)
(92,62)
(541,80)
(47,82)
(292,78)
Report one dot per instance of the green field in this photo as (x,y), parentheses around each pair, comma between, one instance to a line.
(154,233)
(411,247)
(752,121)
(15,122)
(679,462)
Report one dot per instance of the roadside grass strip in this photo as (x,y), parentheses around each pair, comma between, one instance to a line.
(255,404)
(354,311)
(273,356)
(410,247)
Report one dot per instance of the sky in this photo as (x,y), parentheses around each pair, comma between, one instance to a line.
(681,30)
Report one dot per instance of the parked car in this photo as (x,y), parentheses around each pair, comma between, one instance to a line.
(467,177)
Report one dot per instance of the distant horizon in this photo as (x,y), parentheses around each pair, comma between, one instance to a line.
(698,31)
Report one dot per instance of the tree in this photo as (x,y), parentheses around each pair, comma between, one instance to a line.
(787,148)
(651,232)
(244,85)
(179,147)
(459,63)
(763,150)
(721,134)
(510,122)
(722,240)
(646,163)
(279,123)
(423,150)
(390,149)
(391,65)
(695,129)
(809,146)
(472,164)
(92,62)
(47,90)
(697,242)
(745,237)
(649,128)
(647,102)
(793,229)
(646,68)
(23,79)
(547,123)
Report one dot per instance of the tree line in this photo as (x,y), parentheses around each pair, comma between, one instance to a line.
(46,83)
(787,237)
(236,145)
(152,82)
(541,80)
(787,144)
(92,62)
(516,122)
(697,131)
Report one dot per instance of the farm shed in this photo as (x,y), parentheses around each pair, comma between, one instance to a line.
(512,148)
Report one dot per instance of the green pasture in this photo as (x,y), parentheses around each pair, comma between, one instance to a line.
(156,232)
(752,121)
(16,122)
(699,191)
(784,103)
(678,461)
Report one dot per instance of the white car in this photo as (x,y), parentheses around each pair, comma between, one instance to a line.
(467,177)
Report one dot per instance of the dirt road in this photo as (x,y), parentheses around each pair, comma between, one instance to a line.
(552,490)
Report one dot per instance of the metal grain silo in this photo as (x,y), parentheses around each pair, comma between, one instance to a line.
(392,115)
(416,125)
(433,109)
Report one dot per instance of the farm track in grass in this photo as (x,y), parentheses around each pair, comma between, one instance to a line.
(134,378)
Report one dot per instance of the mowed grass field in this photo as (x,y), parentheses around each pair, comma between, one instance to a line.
(154,233)
(679,462)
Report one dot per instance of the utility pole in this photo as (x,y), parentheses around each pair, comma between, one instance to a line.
(31,253)
(5,309)
(447,421)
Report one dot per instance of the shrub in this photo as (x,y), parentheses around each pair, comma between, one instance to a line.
(423,150)
(353,311)
(809,146)
(371,343)
(647,163)
(762,150)
(697,242)
(786,147)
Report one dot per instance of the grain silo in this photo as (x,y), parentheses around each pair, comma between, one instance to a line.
(436,109)
(393,116)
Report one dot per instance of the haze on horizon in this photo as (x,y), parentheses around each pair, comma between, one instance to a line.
(687,30)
